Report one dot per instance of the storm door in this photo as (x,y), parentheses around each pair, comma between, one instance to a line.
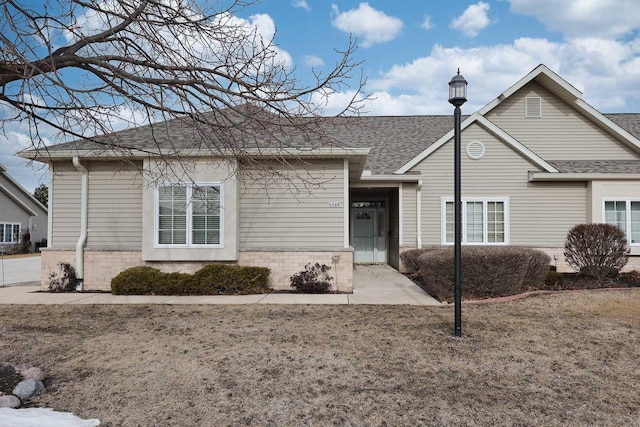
(368,231)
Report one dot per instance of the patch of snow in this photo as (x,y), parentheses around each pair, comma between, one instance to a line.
(42,417)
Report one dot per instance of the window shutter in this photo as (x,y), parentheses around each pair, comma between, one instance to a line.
(533,106)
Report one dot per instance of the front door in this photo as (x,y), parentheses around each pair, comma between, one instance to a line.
(368,232)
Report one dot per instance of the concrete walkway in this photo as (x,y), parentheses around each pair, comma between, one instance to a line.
(373,284)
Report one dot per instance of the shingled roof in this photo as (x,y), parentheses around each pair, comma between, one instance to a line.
(393,140)
(597,166)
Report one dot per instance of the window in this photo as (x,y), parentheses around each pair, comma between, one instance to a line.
(9,233)
(626,215)
(483,222)
(189,215)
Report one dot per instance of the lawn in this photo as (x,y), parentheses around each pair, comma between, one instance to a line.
(565,359)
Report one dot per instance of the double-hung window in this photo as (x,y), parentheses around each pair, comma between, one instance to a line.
(626,215)
(484,221)
(189,215)
(9,233)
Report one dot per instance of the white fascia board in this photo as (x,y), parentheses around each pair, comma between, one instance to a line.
(268,152)
(540,69)
(433,147)
(546,176)
(477,117)
(518,146)
(24,191)
(18,201)
(615,129)
(392,178)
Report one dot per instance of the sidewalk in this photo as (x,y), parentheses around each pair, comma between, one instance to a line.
(373,284)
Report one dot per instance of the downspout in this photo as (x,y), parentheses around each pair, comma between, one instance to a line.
(82,240)
(419,213)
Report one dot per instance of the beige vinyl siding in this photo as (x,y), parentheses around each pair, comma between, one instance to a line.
(278,217)
(10,211)
(65,211)
(409,216)
(560,134)
(115,206)
(540,214)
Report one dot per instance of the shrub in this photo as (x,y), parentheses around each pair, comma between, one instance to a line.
(410,257)
(314,279)
(212,279)
(632,278)
(232,279)
(25,243)
(65,280)
(487,272)
(597,250)
(137,281)
(554,280)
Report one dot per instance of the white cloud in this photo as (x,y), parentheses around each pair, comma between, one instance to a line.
(472,20)
(370,25)
(426,23)
(583,18)
(302,4)
(312,61)
(606,71)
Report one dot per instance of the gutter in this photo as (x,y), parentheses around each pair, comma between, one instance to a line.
(82,240)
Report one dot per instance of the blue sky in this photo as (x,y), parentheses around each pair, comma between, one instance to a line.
(410,50)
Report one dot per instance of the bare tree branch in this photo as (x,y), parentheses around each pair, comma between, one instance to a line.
(81,66)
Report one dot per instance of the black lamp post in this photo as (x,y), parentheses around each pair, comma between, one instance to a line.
(457,97)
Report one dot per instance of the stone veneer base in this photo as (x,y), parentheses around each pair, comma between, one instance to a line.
(101,266)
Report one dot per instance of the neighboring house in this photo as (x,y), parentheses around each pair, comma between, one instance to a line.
(20,213)
(537,161)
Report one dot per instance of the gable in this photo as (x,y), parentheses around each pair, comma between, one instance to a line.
(13,197)
(561,132)
(500,158)
(488,126)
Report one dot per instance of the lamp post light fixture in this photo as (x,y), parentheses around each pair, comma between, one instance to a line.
(457,97)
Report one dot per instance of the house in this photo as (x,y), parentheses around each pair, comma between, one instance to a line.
(537,160)
(20,213)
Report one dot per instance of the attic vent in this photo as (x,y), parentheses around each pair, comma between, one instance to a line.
(475,150)
(533,106)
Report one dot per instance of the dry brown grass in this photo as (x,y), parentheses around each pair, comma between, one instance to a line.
(567,359)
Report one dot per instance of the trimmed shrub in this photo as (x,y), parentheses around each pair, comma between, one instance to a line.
(137,281)
(175,284)
(633,278)
(230,279)
(596,250)
(487,272)
(212,279)
(410,257)
(554,280)
(314,279)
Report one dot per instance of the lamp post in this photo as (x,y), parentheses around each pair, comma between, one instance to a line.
(457,97)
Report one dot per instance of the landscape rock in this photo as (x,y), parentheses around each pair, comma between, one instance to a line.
(33,374)
(26,389)
(9,401)
(21,367)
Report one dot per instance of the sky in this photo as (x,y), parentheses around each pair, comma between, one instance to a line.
(410,50)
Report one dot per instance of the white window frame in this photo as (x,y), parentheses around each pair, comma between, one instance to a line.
(189,214)
(485,201)
(627,201)
(12,224)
